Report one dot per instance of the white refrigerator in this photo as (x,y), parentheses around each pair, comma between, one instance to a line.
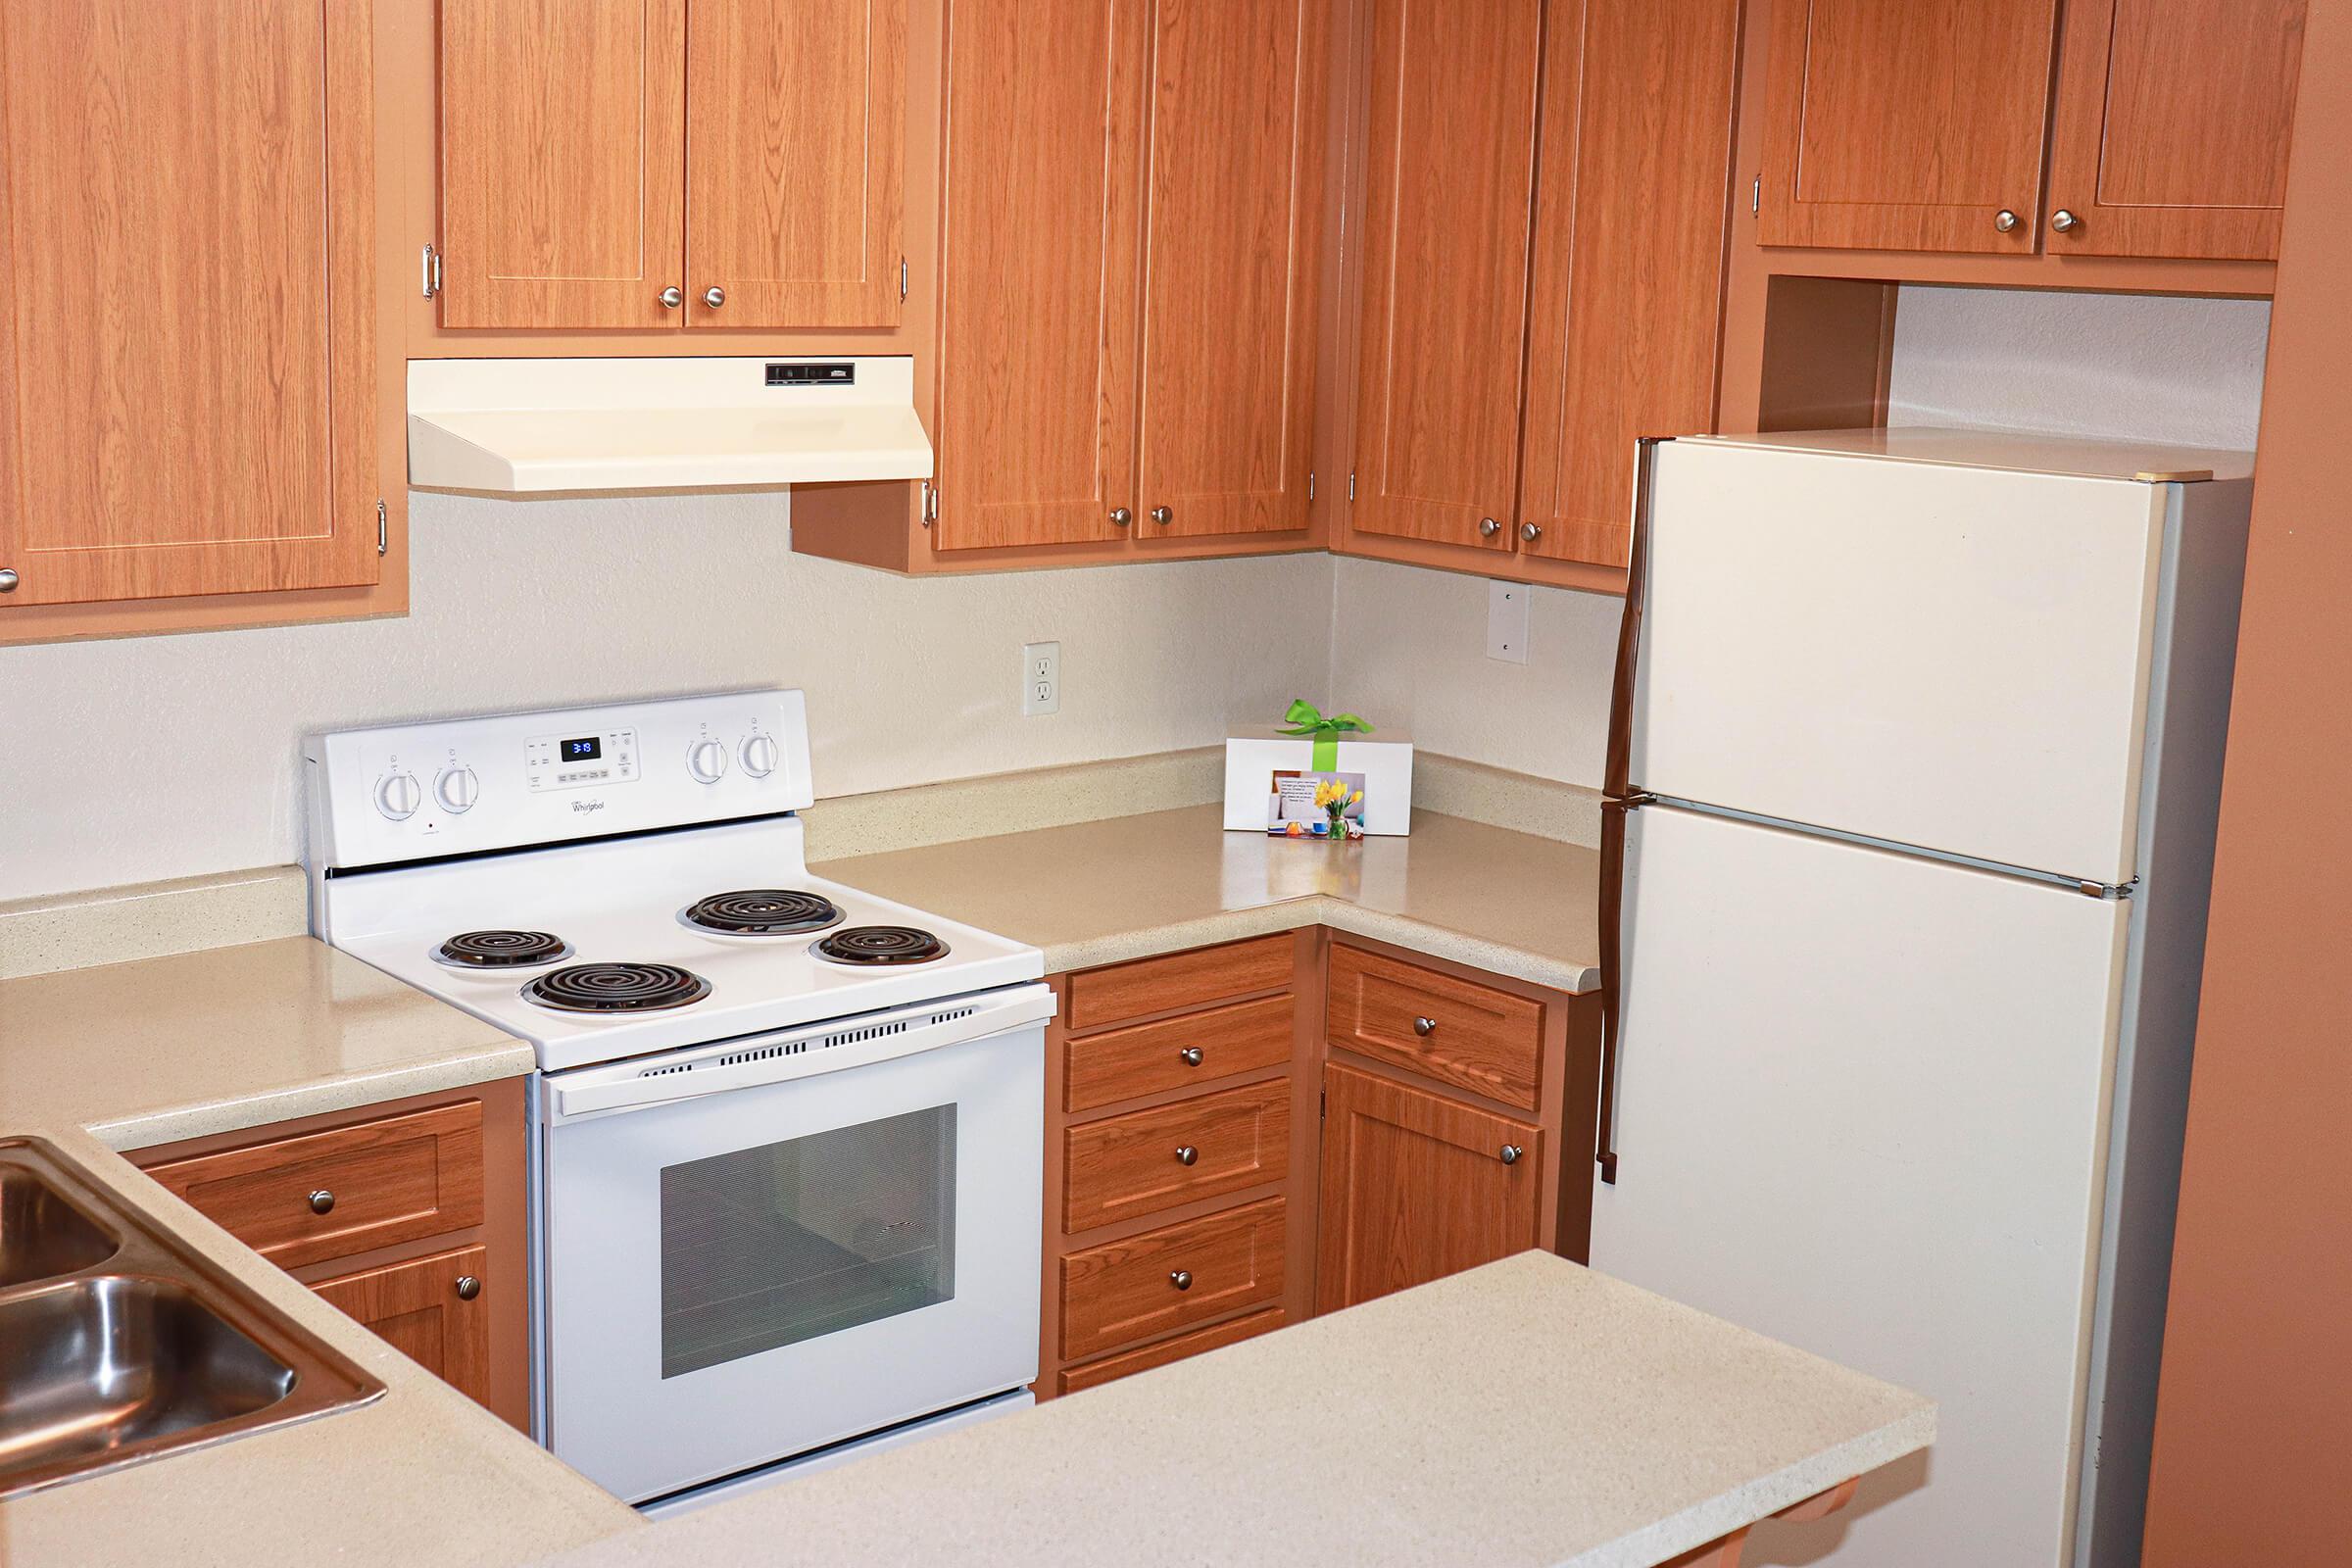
(1914,774)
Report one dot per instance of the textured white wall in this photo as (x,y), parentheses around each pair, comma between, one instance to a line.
(160,756)
(1409,647)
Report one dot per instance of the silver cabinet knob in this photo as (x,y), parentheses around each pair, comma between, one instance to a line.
(671,297)
(1530,532)
(1162,516)
(1185,1154)
(323,1202)
(2063,221)
(1425,1027)
(2004,221)
(469,1286)
(1511,1154)
(1182,1279)
(1489,527)
(1120,516)
(714,296)
(1190,1055)
(8,579)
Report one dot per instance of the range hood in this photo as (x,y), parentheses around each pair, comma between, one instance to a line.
(525,427)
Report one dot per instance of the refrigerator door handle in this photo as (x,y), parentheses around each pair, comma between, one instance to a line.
(1621,798)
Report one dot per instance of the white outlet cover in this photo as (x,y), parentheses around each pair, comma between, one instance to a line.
(1040,679)
(1506,622)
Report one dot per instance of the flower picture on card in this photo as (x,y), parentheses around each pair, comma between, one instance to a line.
(1300,803)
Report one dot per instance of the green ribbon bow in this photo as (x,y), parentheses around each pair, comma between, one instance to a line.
(1308,720)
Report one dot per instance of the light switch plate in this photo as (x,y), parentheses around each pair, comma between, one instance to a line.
(1506,622)
(1040,679)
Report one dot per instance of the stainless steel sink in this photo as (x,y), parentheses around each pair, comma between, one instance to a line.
(118,1342)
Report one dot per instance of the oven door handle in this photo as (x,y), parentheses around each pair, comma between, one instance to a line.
(776,1058)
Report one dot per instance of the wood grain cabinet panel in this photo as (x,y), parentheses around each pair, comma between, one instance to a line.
(1124,1167)
(1416,1187)
(1438,1025)
(1906,125)
(1038,311)
(1626,282)
(2172,128)
(1196,1049)
(1190,979)
(562,161)
(187,242)
(425,1309)
(1450,153)
(1171,1277)
(1233,187)
(796,145)
(345,1190)
(1111,1368)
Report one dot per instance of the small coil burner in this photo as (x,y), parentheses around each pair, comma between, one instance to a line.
(502,950)
(762,913)
(878,945)
(616,988)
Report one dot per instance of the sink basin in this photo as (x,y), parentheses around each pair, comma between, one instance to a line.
(41,1234)
(118,1342)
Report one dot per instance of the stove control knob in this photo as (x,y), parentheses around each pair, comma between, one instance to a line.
(759,756)
(707,760)
(397,795)
(456,789)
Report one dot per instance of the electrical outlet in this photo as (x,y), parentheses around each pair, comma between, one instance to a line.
(1040,679)
(1506,622)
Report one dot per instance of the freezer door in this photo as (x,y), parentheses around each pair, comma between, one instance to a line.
(1948,657)
(1861,1107)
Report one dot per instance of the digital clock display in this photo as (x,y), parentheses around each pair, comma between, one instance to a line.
(583,751)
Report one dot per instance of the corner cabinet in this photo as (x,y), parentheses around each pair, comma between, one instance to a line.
(1565,169)
(193,421)
(1132,254)
(668,163)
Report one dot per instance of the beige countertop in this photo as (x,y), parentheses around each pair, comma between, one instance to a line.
(1530,1412)
(1102,891)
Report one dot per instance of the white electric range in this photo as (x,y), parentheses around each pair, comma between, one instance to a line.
(787,1141)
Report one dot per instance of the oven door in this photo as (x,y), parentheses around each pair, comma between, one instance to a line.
(756,1248)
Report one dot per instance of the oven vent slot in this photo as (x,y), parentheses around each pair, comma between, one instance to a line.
(661,1072)
(788,1047)
(953,1013)
(872,1031)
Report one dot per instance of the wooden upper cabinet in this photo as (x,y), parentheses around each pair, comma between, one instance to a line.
(1416,1186)
(1906,125)
(2172,128)
(1233,204)
(1038,307)
(188,355)
(562,161)
(1627,281)
(1450,184)
(796,147)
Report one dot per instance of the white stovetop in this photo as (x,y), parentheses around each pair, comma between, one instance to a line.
(620,901)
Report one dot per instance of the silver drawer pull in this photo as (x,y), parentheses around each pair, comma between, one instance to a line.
(323,1202)
(469,1286)
(1185,1154)
(1425,1027)
(1182,1279)
(1511,1154)
(1190,1055)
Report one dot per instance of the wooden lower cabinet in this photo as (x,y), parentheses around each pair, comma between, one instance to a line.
(1417,1184)
(1110,1369)
(430,1309)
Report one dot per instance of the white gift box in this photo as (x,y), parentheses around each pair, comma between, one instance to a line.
(1269,778)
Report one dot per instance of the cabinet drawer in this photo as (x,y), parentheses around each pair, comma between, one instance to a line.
(394,1179)
(1122,1167)
(1216,1336)
(1146,1058)
(1180,980)
(1129,1290)
(1477,1038)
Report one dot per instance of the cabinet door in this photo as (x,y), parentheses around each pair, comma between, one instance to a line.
(1416,1186)
(1038,287)
(2173,123)
(1233,190)
(1905,124)
(796,145)
(423,1309)
(187,249)
(1627,285)
(1450,160)
(562,161)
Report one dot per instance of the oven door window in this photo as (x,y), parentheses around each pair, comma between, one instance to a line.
(781,1243)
